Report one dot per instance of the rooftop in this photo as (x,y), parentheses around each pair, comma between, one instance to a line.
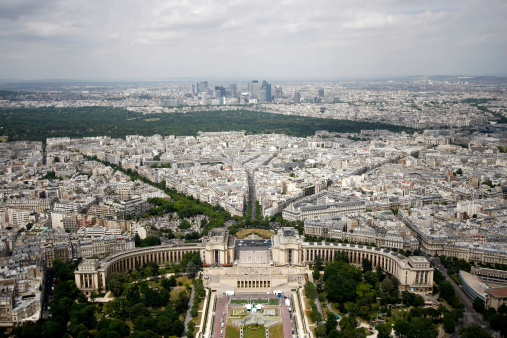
(498,292)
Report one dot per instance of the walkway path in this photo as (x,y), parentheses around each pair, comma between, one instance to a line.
(188,317)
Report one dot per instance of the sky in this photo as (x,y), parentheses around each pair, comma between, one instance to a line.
(271,39)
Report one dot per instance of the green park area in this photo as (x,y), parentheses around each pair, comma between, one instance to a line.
(258,331)
(263,233)
(37,124)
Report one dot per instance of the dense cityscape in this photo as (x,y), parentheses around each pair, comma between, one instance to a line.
(421,202)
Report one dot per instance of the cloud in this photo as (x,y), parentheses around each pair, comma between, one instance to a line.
(301,38)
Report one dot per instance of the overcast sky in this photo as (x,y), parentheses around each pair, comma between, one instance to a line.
(296,39)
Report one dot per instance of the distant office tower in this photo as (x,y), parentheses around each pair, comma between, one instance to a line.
(297,97)
(234,89)
(218,93)
(267,87)
(255,89)
(221,90)
(203,86)
(278,93)
(204,98)
(196,88)
(321,92)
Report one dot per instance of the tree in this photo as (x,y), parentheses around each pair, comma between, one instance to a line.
(364,290)
(150,241)
(384,330)
(367,266)
(446,291)
(449,323)
(191,326)
(172,281)
(319,262)
(316,274)
(115,283)
(348,323)
(340,289)
(315,316)
(51,329)
(497,322)
(178,328)
(181,302)
(165,283)
(152,297)
(402,328)
(164,324)
(411,299)
(310,290)
(137,240)
(371,278)
(380,273)
(478,305)
(184,225)
(331,322)
(118,308)
(191,269)
(120,327)
(138,310)
(389,291)
(424,327)
(473,331)
(320,331)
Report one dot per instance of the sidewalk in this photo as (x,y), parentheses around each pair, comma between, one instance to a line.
(188,317)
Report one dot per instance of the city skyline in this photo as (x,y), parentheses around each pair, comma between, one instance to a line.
(290,40)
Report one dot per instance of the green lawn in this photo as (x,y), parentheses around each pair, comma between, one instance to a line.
(258,332)
(266,234)
(231,332)
(276,331)
(273,301)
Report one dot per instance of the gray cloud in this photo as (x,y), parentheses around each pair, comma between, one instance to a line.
(156,39)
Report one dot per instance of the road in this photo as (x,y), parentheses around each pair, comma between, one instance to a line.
(251,191)
(287,322)
(221,314)
(47,294)
(470,315)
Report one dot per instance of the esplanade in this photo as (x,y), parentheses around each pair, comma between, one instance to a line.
(263,265)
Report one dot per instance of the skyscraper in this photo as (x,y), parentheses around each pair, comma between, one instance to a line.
(203,86)
(278,93)
(267,87)
(221,90)
(321,92)
(233,88)
(255,89)
(297,97)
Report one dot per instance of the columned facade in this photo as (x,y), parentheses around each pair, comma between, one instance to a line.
(286,254)
(91,275)
(414,273)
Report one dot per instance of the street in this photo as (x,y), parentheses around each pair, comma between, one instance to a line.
(470,315)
